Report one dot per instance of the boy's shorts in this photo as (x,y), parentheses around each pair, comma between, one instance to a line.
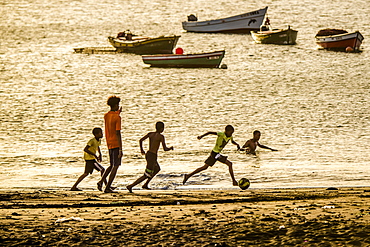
(152,165)
(113,157)
(91,165)
(213,157)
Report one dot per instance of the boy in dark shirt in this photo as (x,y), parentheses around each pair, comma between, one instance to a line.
(251,145)
(152,167)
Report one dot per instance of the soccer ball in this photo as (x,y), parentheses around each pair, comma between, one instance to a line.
(244,183)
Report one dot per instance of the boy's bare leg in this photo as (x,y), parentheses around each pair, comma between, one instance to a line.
(139,180)
(102,173)
(231,171)
(200,169)
(100,183)
(146,185)
(104,178)
(112,175)
(74,187)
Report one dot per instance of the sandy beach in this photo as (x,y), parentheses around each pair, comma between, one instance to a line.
(274,217)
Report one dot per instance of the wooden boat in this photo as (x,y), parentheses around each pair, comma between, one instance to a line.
(144,45)
(243,23)
(95,50)
(275,36)
(340,40)
(202,60)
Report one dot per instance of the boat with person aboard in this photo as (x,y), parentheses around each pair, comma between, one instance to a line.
(180,60)
(339,40)
(143,45)
(243,23)
(268,35)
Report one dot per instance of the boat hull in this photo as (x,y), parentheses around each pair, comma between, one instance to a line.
(341,41)
(159,45)
(236,24)
(278,37)
(204,60)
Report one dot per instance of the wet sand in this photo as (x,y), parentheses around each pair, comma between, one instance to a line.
(274,217)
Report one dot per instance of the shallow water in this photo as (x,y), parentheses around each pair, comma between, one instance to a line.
(311,105)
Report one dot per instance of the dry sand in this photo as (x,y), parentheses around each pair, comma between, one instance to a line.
(276,217)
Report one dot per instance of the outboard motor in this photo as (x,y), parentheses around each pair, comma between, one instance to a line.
(192,18)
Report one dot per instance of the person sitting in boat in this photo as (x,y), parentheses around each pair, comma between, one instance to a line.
(266,26)
(128,35)
(267,22)
(192,18)
(121,34)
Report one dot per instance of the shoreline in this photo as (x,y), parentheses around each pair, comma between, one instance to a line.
(264,217)
(184,188)
(139,197)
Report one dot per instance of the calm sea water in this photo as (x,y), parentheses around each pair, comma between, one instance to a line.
(311,105)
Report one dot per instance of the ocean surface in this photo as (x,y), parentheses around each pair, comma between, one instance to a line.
(310,104)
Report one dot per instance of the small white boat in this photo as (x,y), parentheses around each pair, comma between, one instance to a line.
(243,23)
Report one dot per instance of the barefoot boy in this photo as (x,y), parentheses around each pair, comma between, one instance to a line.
(91,158)
(152,167)
(112,121)
(250,146)
(222,139)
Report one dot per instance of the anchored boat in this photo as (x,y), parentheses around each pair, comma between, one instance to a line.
(267,35)
(201,60)
(243,23)
(340,40)
(145,45)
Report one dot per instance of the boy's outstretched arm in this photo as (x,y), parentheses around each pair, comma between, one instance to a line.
(141,143)
(265,147)
(206,134)
(165,148)
(237,145)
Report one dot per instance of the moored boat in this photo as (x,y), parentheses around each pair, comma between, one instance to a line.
(267,35)
(339,40)
(145,45)
(201,60)
(243,23)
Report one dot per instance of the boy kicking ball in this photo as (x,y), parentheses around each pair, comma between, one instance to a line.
(223,138)
(90,157)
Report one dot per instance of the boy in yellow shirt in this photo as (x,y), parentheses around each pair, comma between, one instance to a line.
(90,157)
(222,139)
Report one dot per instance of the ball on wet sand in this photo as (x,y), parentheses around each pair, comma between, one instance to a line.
(244,183)
(349,49)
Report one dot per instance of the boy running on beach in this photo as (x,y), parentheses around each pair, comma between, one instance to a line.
(90,157)
(112,122)
(152,167)
(222,139)
(251,145)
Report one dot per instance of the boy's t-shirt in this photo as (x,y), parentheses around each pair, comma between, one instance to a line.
(94,144)
(221,142)
(112,122)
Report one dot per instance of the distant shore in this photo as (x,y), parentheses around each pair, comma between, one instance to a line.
(263,217)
